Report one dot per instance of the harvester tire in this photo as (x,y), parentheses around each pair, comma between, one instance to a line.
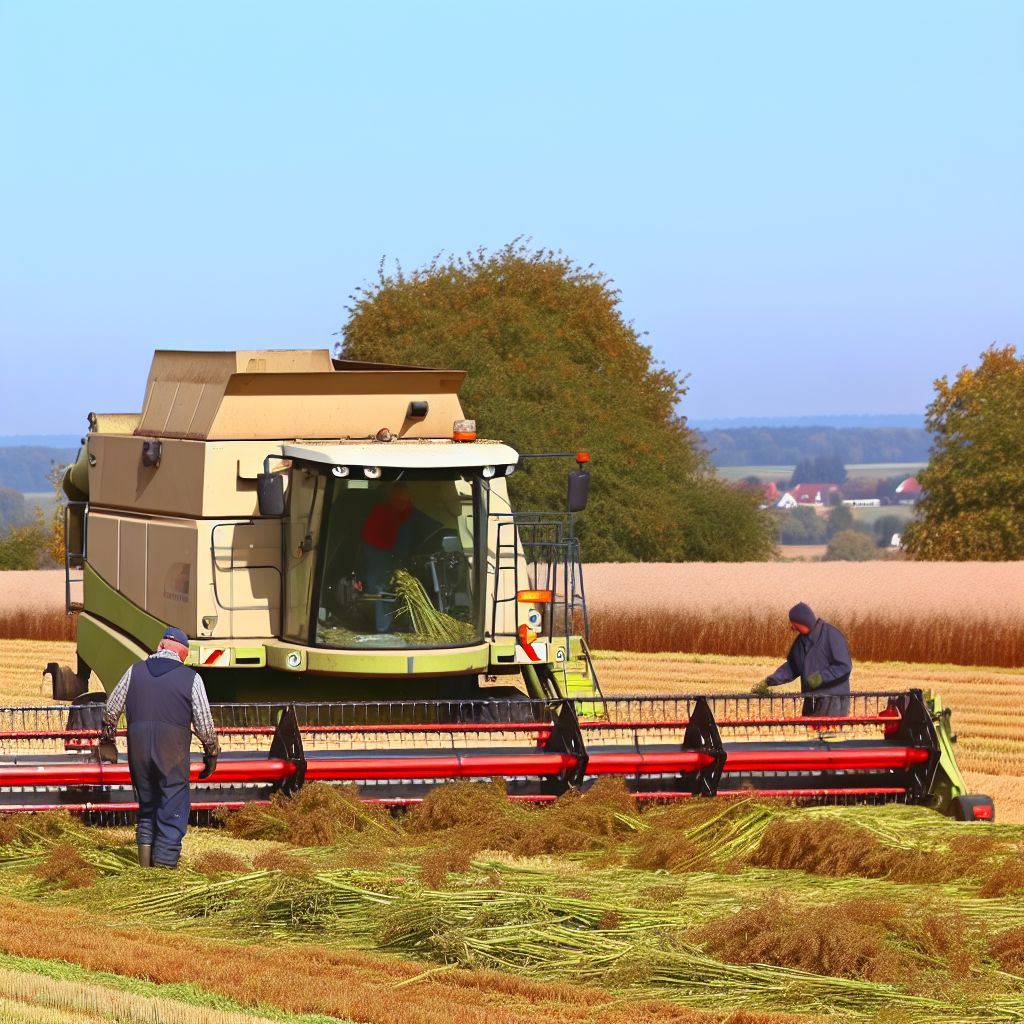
(506,704)
(67,684)
(973,807)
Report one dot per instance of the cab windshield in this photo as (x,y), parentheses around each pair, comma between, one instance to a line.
(385,563)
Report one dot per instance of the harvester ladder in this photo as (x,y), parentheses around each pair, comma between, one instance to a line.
(75,560)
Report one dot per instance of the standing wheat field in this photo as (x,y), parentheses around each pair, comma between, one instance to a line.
(966,613)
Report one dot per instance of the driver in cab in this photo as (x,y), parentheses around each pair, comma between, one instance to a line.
(387,538)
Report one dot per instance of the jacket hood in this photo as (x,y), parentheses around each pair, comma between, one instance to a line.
(801,613)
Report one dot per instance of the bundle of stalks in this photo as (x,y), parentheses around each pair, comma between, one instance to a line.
(428,624)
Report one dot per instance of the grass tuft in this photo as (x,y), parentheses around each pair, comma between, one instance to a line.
(219,862)
(318,815)
(848,941)
(66,868)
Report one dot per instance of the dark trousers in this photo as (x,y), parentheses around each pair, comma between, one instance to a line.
(158,758)
(827,705)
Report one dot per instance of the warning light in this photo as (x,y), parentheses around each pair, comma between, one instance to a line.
(464,430)
(582,458)
(533,596)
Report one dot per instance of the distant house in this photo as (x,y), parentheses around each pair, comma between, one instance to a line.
(813,494)
(786,501)
(908,492)
(770,493)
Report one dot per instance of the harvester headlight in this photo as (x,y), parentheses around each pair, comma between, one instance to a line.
(487,472)
(372,472)
(509,470)
(341,471)
(294,659)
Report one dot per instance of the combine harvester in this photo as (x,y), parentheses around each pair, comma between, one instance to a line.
(365,606)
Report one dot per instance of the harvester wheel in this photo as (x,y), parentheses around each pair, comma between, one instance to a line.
(66,684)
(506,704)
(973,807)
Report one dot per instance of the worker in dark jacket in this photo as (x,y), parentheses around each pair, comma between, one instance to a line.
(820,659)
(163,701)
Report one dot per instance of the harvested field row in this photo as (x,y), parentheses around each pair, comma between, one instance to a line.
(658,909)
(344,985)
(31,996)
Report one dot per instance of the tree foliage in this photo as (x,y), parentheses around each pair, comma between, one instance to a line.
(55,543)
(27,546)
(851,546)
(886,527)
(801,525)
(822,469)
(973,507)
(554,367)
(839,519)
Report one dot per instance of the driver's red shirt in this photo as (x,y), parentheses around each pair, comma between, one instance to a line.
(383,523)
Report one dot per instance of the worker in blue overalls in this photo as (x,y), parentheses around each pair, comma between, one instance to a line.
(163,701)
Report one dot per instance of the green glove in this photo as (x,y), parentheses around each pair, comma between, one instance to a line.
(761,690)
(815,681)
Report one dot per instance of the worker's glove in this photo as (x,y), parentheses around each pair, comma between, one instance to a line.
(210,761)
(762,689)
(815,680)
(107,748)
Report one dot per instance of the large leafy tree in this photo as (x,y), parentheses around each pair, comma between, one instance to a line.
(553,366)
(973,506)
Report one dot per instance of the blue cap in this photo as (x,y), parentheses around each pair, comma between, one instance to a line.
(178,635)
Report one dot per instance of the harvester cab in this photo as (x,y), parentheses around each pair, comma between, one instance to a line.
(365,605)
(323,530)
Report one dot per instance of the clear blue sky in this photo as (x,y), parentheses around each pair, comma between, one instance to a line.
(812,207)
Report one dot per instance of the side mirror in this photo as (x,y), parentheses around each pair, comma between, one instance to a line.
(579,488)
(270,494)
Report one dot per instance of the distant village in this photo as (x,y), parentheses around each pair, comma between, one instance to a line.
(907,492)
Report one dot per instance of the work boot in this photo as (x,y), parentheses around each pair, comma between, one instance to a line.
(145,855)
(166,867)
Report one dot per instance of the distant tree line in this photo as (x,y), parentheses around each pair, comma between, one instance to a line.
(26,468)
(783,446)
